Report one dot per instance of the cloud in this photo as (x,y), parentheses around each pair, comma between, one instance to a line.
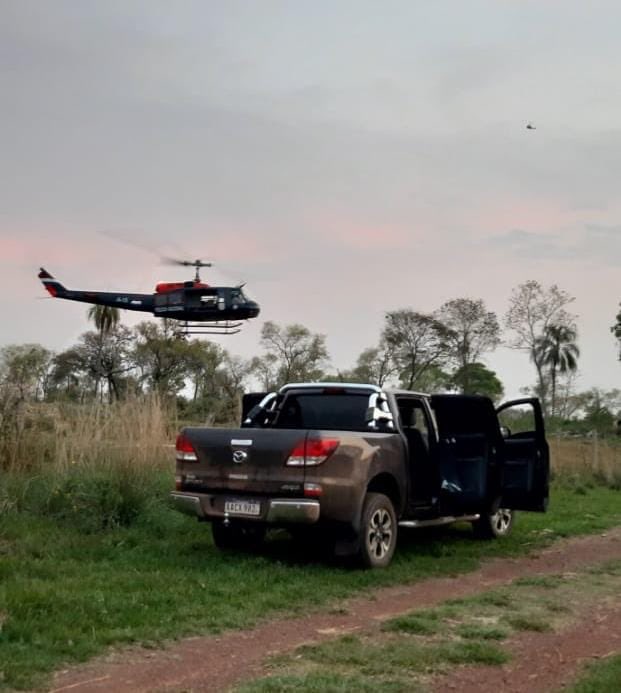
(595,244)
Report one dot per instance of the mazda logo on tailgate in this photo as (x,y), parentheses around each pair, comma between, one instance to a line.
(240,456)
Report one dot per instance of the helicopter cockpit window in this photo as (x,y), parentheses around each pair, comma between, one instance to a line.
(237,296)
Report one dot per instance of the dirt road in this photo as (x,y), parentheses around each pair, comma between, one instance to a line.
(541,661)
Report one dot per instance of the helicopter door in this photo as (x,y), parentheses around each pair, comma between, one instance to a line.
(201,300)
(170,302)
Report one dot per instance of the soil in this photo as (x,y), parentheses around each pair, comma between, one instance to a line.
(543,662)
(540,662)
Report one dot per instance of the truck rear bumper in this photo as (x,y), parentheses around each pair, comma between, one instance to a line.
(274,511)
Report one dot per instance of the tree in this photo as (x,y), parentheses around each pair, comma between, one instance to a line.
(24,368)
(24,371)
(203,361)
(217,381)
(69,377)
(374,365)
(473,331)
(417,342)
(601,409)
(161,357)
(532,309)
(105,358)
(557,350)
(233,379)
(476,379)
(567,401)
(105,318)
(264,370)
(292,354)
(616,330)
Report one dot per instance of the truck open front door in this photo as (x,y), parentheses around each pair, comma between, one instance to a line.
(525,459)
(467,449)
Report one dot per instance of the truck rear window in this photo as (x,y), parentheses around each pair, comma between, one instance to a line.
(336,412)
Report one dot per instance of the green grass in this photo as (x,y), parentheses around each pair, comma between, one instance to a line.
(70,588)
(419,624)
(318,682)
(394,656)
(535,624)
(480,632)
(601,676)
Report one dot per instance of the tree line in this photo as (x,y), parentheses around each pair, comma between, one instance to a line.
(427,351)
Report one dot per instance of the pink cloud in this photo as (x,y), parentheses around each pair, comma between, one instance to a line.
(361,234)
(534,214)
(27,247)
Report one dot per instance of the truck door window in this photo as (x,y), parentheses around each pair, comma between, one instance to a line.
(413,416)
(517,420)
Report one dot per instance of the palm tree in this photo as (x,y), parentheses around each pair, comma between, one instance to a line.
(557,349)
(106,318)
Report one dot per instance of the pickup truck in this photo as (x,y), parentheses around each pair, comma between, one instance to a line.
(351,463)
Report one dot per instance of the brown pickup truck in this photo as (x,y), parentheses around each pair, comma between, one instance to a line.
(353,463)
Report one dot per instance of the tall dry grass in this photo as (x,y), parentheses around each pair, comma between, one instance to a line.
(56,436)
(96,465)
(586,459)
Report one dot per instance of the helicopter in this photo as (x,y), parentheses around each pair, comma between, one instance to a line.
(199,307)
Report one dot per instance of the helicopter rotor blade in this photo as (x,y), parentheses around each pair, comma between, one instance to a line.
(185,263)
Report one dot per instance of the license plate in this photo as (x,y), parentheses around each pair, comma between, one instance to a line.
(242,507)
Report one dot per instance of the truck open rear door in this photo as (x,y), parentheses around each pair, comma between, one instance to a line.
(525,458)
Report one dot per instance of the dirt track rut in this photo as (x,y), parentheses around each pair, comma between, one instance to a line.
(215,663)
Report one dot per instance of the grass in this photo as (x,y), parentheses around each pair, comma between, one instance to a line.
(56,436)
(91,556)
(585,462)
(68,592)
(413,649)
(318,682)
(603,675)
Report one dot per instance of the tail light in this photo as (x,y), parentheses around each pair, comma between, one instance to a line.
(185,450)
(311,452)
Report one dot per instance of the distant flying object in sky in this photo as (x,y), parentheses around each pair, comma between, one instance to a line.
(530,126)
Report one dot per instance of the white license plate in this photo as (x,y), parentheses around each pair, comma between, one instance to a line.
(242,507)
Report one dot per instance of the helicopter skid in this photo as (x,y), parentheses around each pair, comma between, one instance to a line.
(216,327)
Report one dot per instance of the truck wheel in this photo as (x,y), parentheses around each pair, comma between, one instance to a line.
(378,531)
(236,536)
(494,525)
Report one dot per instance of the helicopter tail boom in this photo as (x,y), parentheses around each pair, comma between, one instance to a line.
(141,302)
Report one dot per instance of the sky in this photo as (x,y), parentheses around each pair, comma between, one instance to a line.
(345,158)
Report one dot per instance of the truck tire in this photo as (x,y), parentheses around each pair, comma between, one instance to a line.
(378,531)
(495,524)
(237,536)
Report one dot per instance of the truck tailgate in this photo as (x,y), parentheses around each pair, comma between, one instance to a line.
(248,461)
